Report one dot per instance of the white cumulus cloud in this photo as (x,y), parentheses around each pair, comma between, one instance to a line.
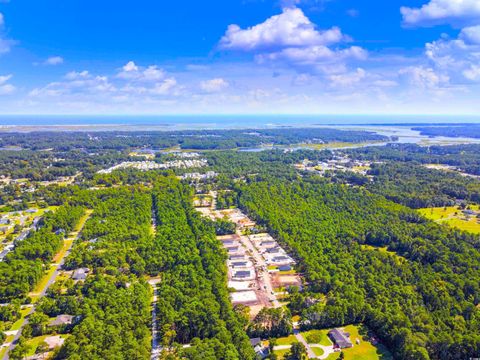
(290,28)
(54,60)
(292,40)
(348,79)
(471,35)
(5,87)
(457,58)
(442,12)
(424,77)
(214,85)
(130,71)
(4,78)
(131,84)
(472,73)
(5,44)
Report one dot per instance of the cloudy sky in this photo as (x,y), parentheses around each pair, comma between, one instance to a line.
(240,57)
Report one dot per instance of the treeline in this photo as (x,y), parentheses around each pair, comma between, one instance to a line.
(37,165)
(464,157)
(226,199)
(466,131)
(249,165)
(191,139)
(417,186)
(194,305)
(117,233)
(420,298)
(23,268)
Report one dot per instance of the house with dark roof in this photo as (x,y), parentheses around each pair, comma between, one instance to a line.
(469,212)
(232,249)
(260,350)
(61,320)
(242,274)
(340,338)
(60,232)
(80,274)
(239,264)
(282,258)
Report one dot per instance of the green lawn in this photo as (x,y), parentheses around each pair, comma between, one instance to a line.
(317,337)
(454,217)
(281,353)
(42,284)
(365,350)
(18,324)
(362,351)
(288,340)
(34,343)
(317,351)
(289,272)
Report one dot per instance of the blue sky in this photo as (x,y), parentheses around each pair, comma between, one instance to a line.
(240,57)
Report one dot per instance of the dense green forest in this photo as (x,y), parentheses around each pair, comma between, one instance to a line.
(112,306)
(39,165)
(421,299)
(194,306)
(366,255)
(464,157)
(418,187)
(44,156)
(467,131)
(192,139)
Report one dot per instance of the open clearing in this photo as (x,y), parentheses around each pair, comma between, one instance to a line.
(454,217)
(361,350)
(365,350)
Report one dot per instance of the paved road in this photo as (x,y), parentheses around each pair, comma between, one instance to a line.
(264,277)
(310,353)
(42,293)
(156,347)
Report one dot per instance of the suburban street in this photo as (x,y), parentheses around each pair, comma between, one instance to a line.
(156,346)
(263,276)
(52,277)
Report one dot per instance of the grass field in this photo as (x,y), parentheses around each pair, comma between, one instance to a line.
(34,343)
(453,217)
(42,284)
(317,337)
(335,145)
(17,324)
(383,250)
(288,340)
(281,353)
(317,350)
(363,351)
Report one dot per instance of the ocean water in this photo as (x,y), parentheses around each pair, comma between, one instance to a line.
(175,122)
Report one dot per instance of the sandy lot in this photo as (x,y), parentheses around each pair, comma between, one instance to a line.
(243,297)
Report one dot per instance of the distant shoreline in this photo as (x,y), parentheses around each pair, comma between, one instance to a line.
(201,123)
(10,123)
